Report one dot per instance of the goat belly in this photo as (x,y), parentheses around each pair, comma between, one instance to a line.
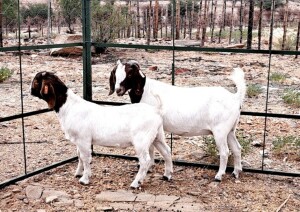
(111,143)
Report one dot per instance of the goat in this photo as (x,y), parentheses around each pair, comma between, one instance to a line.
(189,111)
(85,123)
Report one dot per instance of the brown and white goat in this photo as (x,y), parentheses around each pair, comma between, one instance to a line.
(85,123)
(189,111)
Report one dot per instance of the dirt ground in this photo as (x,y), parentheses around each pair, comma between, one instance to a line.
(45,143)
(253,192)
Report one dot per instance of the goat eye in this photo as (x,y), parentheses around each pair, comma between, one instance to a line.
(129,75)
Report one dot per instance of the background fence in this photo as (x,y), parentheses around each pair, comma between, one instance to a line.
(186,43)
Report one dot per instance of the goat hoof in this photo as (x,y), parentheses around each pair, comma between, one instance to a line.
(236,176)
(165,178)
(217,180)
(84,181)
(78,176)
(135,185)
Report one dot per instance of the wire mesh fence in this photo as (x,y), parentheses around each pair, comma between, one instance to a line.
(186,43)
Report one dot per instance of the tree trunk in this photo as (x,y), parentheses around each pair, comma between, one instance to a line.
(285,20)
(232,19)
(138,18)
(129,19)
(214,5)
(241,21)
(260,23)
(191,20)
(166,21)
(155,20)
(199,21)
(185,19)
(1,22)
(250,24)
(222,24)
(148,22)
(298,38)
(177,34)
(206,7)
(161,21)
(145,22)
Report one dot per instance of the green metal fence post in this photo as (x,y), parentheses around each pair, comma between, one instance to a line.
(86,54)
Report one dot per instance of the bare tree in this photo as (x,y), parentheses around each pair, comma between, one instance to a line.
(222,22)
(161,9)
(260,22)
(166,21)
(298,38)
(241,21)
(250,24)
(213,18)
(155,20)
(129,19)
(177,34)
(1,22)
(149,22)
(138,18)
(285,20)
(191,20)
(145,21)
(185,19)
(232,19)
(199,21)
(206,8)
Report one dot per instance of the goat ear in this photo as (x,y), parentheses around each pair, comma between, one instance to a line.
(112,82)
(139,90)
(48,94)
(135,66)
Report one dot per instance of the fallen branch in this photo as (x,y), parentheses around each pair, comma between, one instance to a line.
(279,208)
(235,46)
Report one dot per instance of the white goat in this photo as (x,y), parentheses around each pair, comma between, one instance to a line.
(86,123)
(189,111)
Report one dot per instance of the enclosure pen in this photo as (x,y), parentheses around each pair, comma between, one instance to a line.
(87,43)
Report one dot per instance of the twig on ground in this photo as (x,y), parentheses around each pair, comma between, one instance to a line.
(279,208)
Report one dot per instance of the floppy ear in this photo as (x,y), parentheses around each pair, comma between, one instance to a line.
(48,94)
(112,81)
(135,65)
(140,83)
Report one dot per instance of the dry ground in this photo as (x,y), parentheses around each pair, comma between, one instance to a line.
(253,192)
(45,143)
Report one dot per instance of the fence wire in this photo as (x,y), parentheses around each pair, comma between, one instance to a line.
(183,43)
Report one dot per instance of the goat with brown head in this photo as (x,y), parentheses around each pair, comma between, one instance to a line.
(127,76)
(47,86)
(86,123)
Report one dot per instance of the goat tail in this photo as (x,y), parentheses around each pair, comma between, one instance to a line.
(238,77)
(159,105)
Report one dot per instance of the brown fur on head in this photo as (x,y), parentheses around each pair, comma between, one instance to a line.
(112,81)
(134,79)
(47,86)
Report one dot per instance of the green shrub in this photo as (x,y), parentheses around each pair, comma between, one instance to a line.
(5,73)
(211,149)
(287,145)
(278,77)
(254,90)
(291,97)
(290,43)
